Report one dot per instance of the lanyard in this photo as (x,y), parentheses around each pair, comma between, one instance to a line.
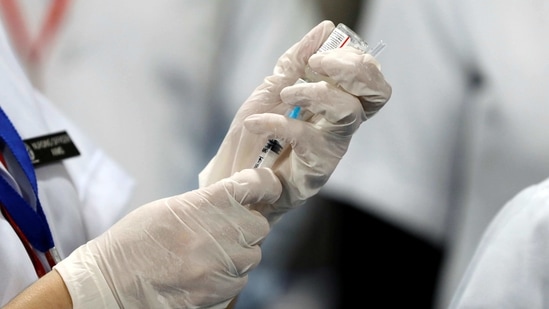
(31,52)
(28,49)
(29,219)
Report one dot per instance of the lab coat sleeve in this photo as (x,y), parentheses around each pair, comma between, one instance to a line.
(103,187)
(510,268)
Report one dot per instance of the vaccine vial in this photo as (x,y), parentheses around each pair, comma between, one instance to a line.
(340,37)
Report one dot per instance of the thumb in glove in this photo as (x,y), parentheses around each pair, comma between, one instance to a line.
(186,251)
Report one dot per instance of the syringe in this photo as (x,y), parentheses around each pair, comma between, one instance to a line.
(272,149)
(341,36)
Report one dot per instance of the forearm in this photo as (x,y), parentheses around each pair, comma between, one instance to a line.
(48,292)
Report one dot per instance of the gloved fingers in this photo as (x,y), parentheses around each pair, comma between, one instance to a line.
(323,99)
(301,135)
(245,228)
(190,250)
(250,224)
(248,186)
(244,188)
(274,126)
(356,72)
(207,292)
(244,259)
(292,63)
(252,186)
(289,67)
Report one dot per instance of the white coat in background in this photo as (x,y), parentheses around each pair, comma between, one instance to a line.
(510,269)
(466,126)
(135,77)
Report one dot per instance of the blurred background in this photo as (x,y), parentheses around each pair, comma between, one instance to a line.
(156,84)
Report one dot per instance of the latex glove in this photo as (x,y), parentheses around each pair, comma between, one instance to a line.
(187,251)
(316,145)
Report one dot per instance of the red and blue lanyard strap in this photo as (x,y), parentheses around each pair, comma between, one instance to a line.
(28,219)
(32,50)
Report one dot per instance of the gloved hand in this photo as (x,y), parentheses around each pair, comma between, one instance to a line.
(187,251)
(315,146)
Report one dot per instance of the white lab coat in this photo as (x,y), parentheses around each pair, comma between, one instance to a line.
(135,77)
(511,267)
(81,196)
(466,127)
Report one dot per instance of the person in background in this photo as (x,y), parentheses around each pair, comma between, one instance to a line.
(465,131)
(101,272)
(509,268)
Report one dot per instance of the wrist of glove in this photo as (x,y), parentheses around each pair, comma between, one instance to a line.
(82,276)
(187,251)
(316,143)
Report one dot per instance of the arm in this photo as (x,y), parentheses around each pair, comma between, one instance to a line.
(48,292)
(192,250)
